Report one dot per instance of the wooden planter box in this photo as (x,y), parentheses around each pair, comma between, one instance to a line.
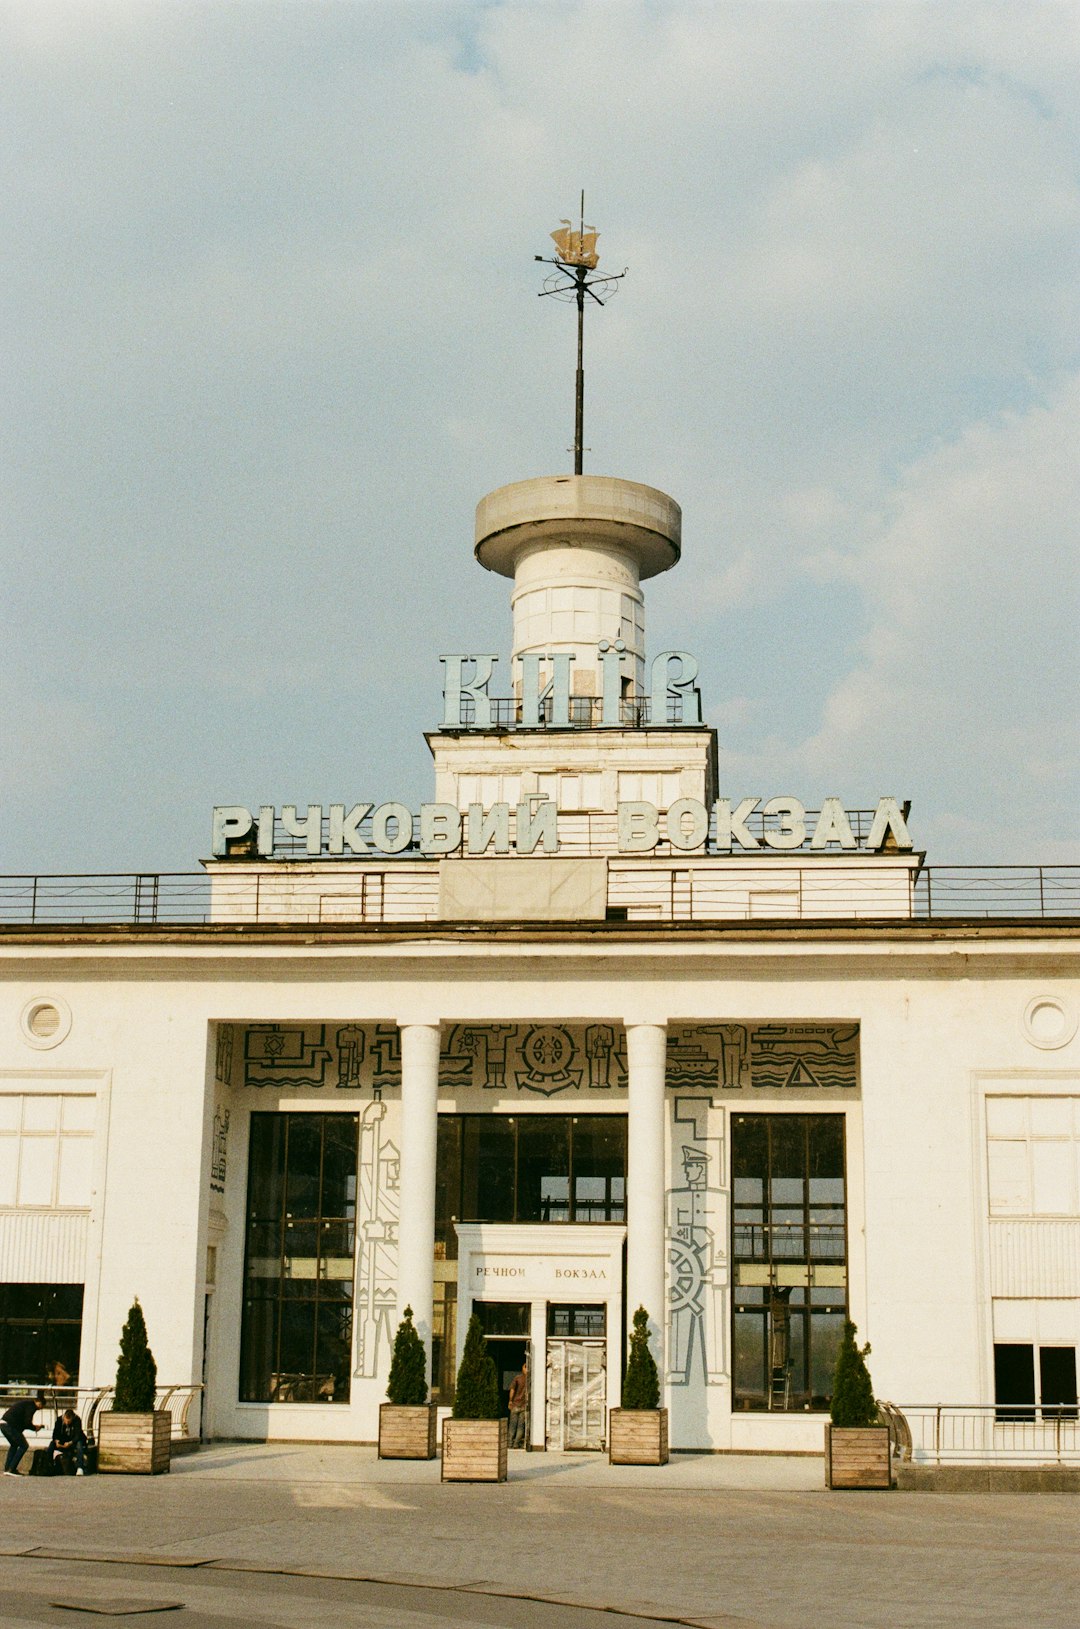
(407,1432)
(638,1436)
(138,1444)
(857,1457)
(474,1450)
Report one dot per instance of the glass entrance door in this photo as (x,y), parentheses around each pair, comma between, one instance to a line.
(506,1330)
(576,1394)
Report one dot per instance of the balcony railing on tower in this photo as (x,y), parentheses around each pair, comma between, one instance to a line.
(586,713)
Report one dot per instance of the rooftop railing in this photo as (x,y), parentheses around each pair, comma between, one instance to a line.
(404,891)
(586,713)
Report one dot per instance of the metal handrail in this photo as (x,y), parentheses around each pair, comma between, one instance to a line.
(270,894)
(990,1433)
(899,1429)
(585,713)
(90,1401)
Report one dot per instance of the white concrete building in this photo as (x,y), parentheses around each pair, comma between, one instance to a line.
(579,1036)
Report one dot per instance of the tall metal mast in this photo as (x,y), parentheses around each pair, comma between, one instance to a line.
(574,259)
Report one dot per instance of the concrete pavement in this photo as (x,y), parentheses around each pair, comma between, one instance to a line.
(292,1534)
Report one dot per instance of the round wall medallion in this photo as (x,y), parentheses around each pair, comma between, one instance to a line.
(45,1021)
(1048,1022)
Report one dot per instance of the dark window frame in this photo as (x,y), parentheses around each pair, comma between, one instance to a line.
(777,1222)
(46,1325)
(1026,1387)
(452,1175)
(274,1305)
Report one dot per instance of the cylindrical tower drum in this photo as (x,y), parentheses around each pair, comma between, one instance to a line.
(578,547)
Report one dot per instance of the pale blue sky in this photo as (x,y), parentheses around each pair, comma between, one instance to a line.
(271,329)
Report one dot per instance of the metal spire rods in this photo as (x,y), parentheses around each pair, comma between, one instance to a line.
(574,259)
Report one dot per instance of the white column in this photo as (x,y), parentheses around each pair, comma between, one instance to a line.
(416,1194)
(646,1181)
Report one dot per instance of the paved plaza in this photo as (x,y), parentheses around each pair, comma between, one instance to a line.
(283,1535)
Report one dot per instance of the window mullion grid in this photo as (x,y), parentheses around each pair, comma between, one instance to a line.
(808,1251)
(571,1209)
(280,1308)
(516,1122)
(459,1138)
(317,1296)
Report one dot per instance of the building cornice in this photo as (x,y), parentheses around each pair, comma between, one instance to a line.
(686,951)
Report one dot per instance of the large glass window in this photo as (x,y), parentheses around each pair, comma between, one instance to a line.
(40,1333)
(528,1168)
(443,1342)
(579,1323)
(1033,1155)
(487,1161)
(543,1169)
(296,1338)
(790,1257)
(599,1168)
(46,1150)
(1015,1375)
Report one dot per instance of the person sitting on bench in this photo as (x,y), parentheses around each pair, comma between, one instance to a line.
(69,1443)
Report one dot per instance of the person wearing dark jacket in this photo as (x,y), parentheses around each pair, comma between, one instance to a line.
(69,1442)
(15,1423)
(519,1407)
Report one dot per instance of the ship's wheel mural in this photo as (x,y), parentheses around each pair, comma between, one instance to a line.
(546,1059)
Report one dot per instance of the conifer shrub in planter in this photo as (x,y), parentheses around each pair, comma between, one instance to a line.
(474,1438)
(407,1420)
(638,1431)
(133,1436)
(857,1449)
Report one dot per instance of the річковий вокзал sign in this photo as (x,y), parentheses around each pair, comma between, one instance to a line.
(532,827)
(545,701)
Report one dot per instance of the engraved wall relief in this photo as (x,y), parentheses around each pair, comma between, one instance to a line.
(377,1209)
(723,1064)
(762,1060)
(224,1060)
(224,1053)
(545,1059)
(350,1057)
(359,1058)
(697,1245)
(219,1151)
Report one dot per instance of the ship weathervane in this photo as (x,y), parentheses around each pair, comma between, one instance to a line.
(574,260)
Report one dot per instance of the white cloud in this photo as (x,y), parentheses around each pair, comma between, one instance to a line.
(967,686)
(273,329)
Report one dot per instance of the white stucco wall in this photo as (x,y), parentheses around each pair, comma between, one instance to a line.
(937,1019)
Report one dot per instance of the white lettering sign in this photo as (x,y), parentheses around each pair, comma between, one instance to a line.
(673,698)
(781,823)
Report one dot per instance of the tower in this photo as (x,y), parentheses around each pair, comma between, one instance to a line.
(578,548)
(584,726)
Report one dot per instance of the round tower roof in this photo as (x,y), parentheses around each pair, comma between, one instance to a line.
(562,509)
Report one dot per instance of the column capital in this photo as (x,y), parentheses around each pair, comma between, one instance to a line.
(418,1024)
(646,1051)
